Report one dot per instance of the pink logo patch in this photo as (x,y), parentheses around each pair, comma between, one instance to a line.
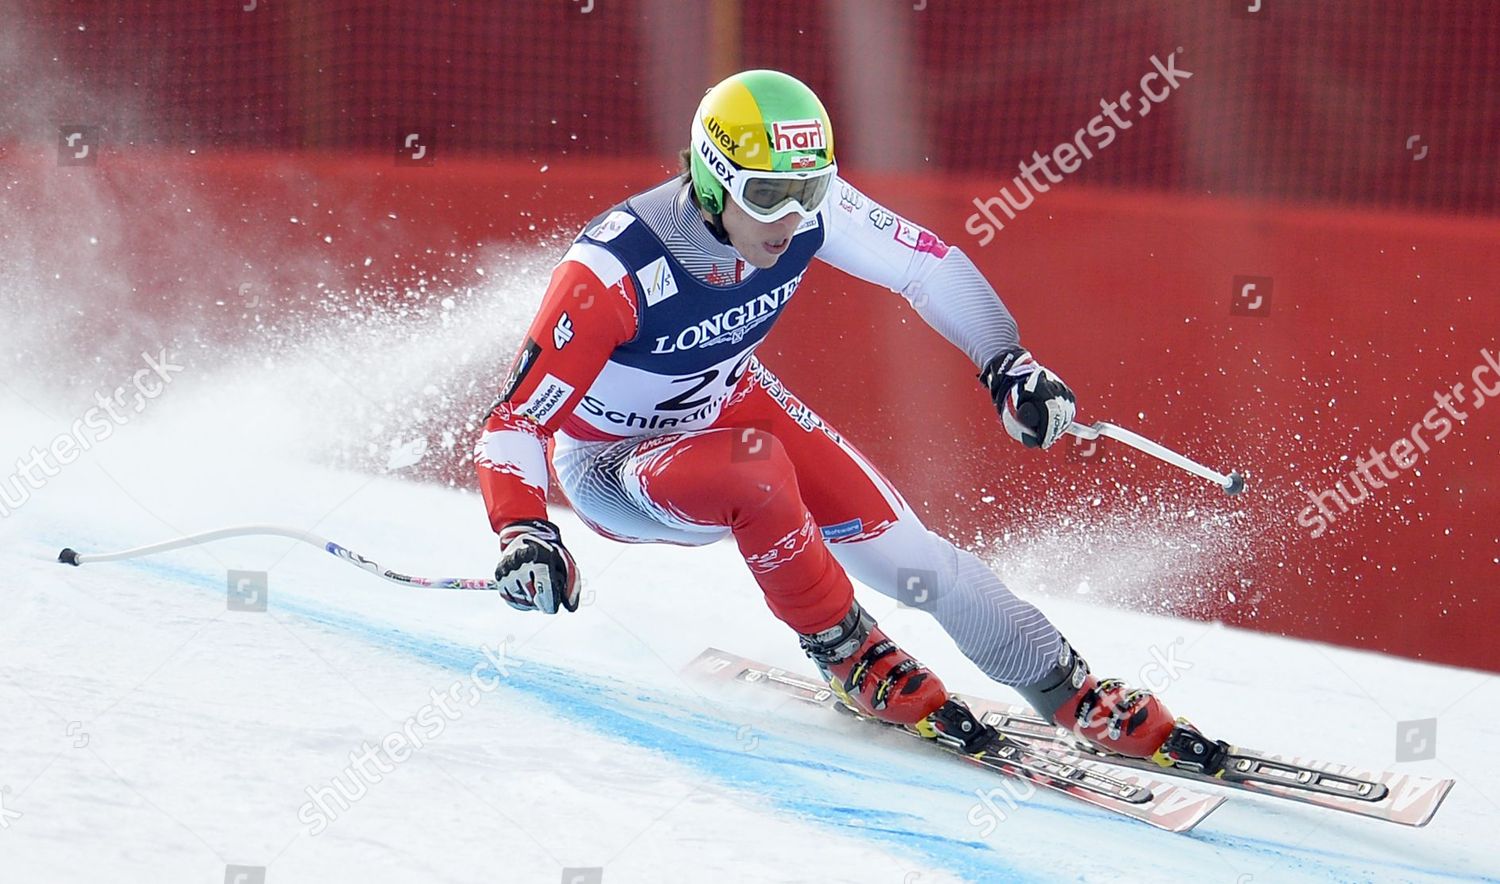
(917,239)
(929,243)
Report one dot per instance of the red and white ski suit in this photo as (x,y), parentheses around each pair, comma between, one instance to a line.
(662,426)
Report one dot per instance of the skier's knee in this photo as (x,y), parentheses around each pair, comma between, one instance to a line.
(758,468)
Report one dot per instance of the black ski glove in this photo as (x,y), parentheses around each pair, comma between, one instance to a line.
(1035,406)
(536,572)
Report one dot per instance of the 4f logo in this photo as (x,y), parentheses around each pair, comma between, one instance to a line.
(562,333)
(1251,296)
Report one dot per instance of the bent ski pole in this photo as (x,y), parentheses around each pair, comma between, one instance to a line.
(73,557)
(1233,483)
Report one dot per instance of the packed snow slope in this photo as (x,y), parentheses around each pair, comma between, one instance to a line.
(152,734)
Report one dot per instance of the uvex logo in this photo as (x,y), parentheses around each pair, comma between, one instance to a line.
(716,162)
(798,135)
(716,129)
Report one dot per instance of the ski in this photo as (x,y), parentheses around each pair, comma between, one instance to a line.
(1405,799)
(1152,800)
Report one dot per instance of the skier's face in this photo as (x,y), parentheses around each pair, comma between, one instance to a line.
(761,243)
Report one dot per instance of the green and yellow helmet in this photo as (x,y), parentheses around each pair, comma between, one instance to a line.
(764,138)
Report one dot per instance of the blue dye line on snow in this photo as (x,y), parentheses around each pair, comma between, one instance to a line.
(592,702)
(570,695)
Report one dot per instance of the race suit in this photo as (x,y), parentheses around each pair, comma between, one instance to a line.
(638,377)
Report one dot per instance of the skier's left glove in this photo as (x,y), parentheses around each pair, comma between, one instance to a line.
(536,572)
(1034,404)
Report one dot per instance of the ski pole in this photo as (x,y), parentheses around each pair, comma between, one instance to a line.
(1233,483)
(73,557)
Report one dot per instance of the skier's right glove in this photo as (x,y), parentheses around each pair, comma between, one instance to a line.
(536,572)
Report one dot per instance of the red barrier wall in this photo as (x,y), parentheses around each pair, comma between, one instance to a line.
(1127,297)
(1311,100)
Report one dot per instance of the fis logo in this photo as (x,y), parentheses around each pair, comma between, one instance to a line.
(798,135)
(562,333)
(658,281)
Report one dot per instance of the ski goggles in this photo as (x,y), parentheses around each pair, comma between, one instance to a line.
(766,196)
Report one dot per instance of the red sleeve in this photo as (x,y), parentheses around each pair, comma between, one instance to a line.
(581,322)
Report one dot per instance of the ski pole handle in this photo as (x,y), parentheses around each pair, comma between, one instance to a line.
(73,557)
(1233,483)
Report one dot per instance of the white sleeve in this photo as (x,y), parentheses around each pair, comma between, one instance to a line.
(867,240)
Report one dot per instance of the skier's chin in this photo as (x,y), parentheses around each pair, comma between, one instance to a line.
(764,255)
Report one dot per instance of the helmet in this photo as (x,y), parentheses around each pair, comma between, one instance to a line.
(763,138)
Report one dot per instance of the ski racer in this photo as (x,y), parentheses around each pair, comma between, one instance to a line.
(638,380)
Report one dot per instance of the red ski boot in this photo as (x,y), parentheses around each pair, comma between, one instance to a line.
(872,675)
(1107,713)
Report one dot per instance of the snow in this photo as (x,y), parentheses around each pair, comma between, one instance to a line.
(154,735)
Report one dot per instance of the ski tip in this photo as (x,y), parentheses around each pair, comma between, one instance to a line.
(69,556)
(1440,795)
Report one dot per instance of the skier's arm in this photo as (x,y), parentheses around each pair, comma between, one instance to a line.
(867,240)
(589,310)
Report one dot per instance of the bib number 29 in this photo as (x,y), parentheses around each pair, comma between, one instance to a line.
(697,383)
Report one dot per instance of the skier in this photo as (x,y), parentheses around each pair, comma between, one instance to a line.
(639,378)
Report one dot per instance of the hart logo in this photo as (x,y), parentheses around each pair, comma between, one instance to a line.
(798,135)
